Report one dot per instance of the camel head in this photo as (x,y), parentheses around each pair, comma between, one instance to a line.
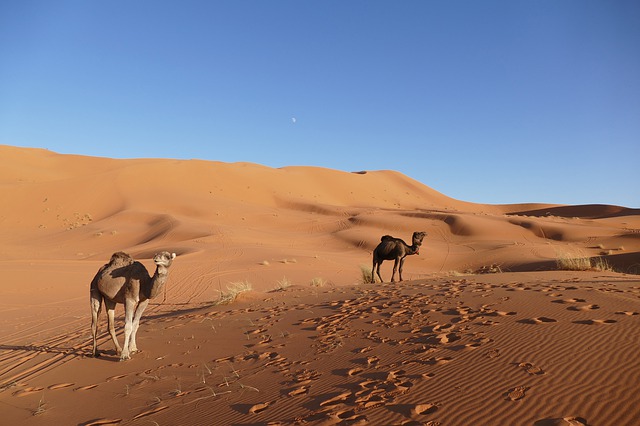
(417,239)
(164,258)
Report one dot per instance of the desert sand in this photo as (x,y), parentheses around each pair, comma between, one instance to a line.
(485,329)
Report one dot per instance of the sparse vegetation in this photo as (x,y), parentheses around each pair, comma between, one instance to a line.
(579,262)
(458,273)
(41,407)
(283,284)
(366,274)
(600,264)
(573,263)
(494,268)
(318,282)
(233,290)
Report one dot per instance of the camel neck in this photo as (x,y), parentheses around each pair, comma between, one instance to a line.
(161,270)
(414,248)
(157,281)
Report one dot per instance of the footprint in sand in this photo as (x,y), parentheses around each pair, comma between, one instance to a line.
(302,390)
(537,320)
(103,422)
(583,308)
(516,393)
(442,360)
(119,376)
(425,408)
(472,345)
(150,412)
(372,360)
(60,386)
(562,421)
(531,369)
(595,322)
(81,388)
(258,408)
(27,391)
(338,399)
(573,300)
(354,371)
(448,337)
(492,353)
(489,323)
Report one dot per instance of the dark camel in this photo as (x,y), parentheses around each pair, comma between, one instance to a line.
(395,249)
(126,281)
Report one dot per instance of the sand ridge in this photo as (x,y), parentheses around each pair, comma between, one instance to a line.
(484,329)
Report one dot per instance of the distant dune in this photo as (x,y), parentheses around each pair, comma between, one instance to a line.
(478,301)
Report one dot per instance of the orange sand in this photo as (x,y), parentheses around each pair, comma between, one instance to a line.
(451,345)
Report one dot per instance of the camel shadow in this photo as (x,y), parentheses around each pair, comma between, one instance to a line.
(45,349)
(83,352)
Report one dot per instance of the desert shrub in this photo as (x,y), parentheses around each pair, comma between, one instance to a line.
(579,262)
(366,274)
(283,284)
(318,282)
(233,290)
(600,264)
(494,268)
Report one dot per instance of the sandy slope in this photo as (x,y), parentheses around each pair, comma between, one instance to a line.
(531,345)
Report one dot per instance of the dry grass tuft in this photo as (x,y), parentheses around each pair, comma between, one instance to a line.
(494,268)
(233,290)
(577,261)
(318,282)
(41,407)
(283,284)
(366,274)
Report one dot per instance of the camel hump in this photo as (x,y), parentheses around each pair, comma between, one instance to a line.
(386,238)
(121,258)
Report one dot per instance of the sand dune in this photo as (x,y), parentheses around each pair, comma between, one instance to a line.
(484,330)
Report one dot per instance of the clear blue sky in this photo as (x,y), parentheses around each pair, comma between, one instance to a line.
(486,101)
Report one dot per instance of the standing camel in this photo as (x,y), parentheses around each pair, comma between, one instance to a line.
(391,248)
(126,281)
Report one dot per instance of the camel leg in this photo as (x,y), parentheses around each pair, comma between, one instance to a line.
(379,263)
(111,312)
(395,268)
(400,270)
(129,310)
(96,306)
(373,272)
(136,323)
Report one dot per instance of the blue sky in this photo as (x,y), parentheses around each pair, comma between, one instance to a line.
(486,101)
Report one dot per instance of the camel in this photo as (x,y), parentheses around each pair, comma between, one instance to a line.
(127,282)
(391,248)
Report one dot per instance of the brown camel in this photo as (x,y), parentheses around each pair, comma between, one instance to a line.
(126,281)
(391,248)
